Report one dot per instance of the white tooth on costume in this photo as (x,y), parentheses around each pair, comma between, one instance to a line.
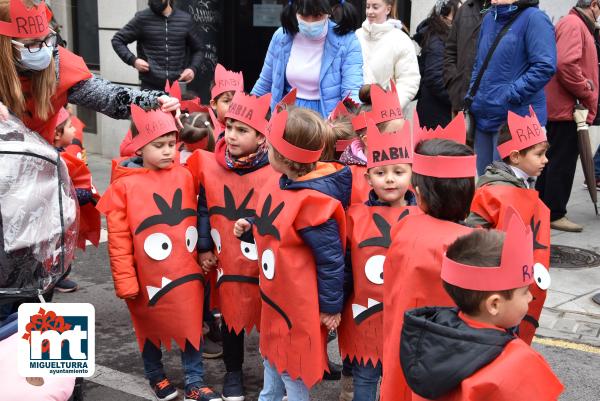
(219,274)
(165,281)
(152,291)
(371,303)
(357,309)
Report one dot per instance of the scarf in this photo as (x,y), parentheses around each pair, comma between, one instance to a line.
(250,161)
(354,154)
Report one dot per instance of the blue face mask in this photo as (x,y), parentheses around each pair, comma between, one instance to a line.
(37,61)
(312,30)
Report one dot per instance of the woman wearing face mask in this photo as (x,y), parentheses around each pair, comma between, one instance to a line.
(434,105)
(310,52)
(37,77)
(518,71)
(388,52)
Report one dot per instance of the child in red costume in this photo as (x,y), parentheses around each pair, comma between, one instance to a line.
(224,86)
(150,207)
(229,182)
(522,145)
(299,229)
(468,353)
(361,330)
(444,180)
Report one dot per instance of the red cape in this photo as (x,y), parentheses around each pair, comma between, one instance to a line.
(360,186)
(89,217)
(152,239)
(292,338)
(72,69)
(360,333)
(229,197)
(412,272)
(490,202)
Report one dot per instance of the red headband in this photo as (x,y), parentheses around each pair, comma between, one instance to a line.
(385,104)
(226,81)
(288,100)
(455,131)
(193,105)
(516,268)
(26,23)
(63,115)
(525,131)
(250,110)
(274,133)
(150,125)
(386,148)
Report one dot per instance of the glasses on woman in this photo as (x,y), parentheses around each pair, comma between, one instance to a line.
(35,46)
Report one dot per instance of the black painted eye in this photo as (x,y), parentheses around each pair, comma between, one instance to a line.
(267,264)
(158,246)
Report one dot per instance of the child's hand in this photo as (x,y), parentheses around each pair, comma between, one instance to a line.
(330,321)
(240,227)
(208,261)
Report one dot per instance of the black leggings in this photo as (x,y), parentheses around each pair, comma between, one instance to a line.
(233,348)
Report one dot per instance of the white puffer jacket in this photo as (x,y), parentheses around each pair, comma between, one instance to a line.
(388,53)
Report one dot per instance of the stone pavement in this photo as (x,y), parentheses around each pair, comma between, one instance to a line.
(569,312)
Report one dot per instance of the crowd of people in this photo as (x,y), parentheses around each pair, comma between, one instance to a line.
(284,208)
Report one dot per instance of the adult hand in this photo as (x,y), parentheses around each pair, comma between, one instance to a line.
(170,104)
(3,112)
(141,65)
(240,227)
(187,75)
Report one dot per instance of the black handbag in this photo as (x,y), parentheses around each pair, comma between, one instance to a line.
(469,118)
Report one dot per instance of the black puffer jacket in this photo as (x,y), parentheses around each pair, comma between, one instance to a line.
(168,44)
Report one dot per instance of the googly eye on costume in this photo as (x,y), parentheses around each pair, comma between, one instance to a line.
(249,250)
(191,238)
(541,276)
(267,264)
(158,246)
(374,269)
(216,237)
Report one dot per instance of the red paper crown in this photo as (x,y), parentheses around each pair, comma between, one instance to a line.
(339,111)
(274,133)
(455,131)
(359,121)
(516,268)
(443,166)
(250,110)
(226,81)
(525,131)
(192,105)
(26,23)
(150,125)
(386,148)
(63,115)
(288,100)
(342,144)
(218,128)
(385,104)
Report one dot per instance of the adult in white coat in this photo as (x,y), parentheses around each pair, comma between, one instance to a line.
(388,52)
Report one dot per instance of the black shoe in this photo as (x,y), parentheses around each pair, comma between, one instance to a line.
(233,386)
(335,372)
(163,389)
(66,285)
(195,393)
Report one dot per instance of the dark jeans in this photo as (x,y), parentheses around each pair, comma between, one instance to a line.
(233,348)
(556,181)
(366,378)
(191,359)
(485,149)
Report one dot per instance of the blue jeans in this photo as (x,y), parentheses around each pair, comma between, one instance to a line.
(597,164)
(191,359)
(275,386)
(366,378)
(485,149)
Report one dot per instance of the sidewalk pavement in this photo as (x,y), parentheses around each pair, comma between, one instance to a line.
(569,312)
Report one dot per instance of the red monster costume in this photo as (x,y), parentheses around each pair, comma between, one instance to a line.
(76,147)
(292,338)
(361,329)
(229,197)
(152,236)
(413,263)
(496,379)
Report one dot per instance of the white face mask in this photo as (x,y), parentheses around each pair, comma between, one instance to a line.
(37,61)
(311,30)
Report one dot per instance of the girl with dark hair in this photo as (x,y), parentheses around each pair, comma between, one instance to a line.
(310,52)
(388,52)
(434,105)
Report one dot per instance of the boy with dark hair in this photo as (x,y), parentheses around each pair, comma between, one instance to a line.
(487,274)
(522,145)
